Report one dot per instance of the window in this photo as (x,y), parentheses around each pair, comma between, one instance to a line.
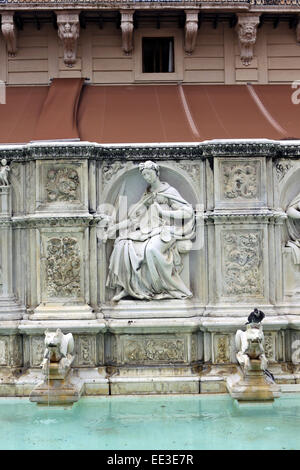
(158,54)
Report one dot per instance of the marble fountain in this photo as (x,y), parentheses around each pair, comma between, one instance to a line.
(132,270)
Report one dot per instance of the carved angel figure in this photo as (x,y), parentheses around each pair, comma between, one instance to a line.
(146,262)
(4,170)
(293,226)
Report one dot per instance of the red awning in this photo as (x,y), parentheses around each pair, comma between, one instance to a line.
(148,113)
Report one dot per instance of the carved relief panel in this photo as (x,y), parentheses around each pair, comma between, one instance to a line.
(240,183)
(85,347)
(62,268)
(270,346)
(221,349)
(153,349)
(37,348)
(243,271)
(61,186)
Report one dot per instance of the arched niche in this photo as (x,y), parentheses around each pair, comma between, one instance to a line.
(289,191)
(128,182)
(290,188)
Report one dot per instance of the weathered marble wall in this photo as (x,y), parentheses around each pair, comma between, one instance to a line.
(54,263)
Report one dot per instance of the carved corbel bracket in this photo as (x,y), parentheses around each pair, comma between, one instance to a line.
(9,32)
(68,32)
(246,29)
(191,30)
(127,30)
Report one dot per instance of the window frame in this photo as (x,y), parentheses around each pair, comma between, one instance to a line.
(176,76)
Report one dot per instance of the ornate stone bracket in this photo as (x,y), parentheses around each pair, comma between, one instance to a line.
(247,29)
(68,32)
(127,30)
(191,30)
(9,32)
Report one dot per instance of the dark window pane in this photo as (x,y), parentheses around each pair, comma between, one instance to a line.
(158,55)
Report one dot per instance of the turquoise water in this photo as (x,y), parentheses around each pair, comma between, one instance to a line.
(151,422)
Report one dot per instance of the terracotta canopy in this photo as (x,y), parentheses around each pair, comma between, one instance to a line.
(68,109)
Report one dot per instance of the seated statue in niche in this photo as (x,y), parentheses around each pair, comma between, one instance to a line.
(146,263)
(293,226)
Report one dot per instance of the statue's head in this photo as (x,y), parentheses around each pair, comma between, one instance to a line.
(3,162)
(149,171)
(149,165)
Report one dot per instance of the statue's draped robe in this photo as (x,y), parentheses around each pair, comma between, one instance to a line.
(145,261)
(293,226)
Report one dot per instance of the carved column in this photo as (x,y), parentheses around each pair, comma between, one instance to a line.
(246,29)
(9,32)
(68,32)
(191,30)
(127,30)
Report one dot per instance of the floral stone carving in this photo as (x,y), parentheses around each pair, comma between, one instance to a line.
(242,263)
(62,185)
(63,267)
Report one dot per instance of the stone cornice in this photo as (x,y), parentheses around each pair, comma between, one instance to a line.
(173,151)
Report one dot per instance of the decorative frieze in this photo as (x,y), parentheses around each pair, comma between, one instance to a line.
(127,30)
(139,153)
(63,267)
(68,32)
(246,30)
(9,32)
(191,30)
(154,349)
